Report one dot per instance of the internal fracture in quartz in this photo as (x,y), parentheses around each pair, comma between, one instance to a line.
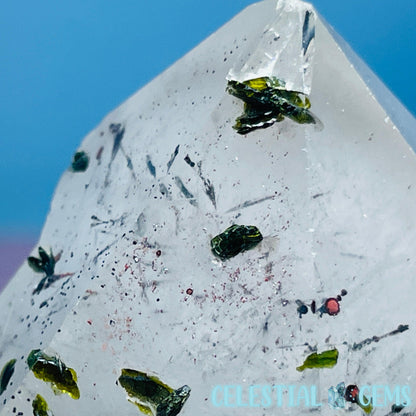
(214,260)
(284,49)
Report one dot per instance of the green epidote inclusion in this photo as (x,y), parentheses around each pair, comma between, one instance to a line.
(40,407)
(152,396)
(52,370)
(80,162)
(172,405)
(396,408)
(6,375)
(368,408)
(234,240)
(326,359)
(44,264)
(266,101)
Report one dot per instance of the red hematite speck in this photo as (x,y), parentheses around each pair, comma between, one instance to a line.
(158,253)
(332,306)
(351,393)
(189,291)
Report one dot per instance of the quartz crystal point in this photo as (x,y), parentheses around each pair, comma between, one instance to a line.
(284,49)
(137,285)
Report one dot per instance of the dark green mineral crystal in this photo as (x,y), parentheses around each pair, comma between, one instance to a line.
(80,162)
(266,101)
(44,264)
(52,370)
(6,375)
(152,396)
(234,240)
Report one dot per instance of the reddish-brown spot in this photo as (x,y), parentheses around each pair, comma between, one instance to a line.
(58,256)
(351,393)
(99,153)
(332,306)
(89,322)
(158,253)
(189,291)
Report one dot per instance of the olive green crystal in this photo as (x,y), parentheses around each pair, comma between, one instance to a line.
(40,407)
(266,102)
(151,395)
(326,359)
(368,408)
(6,375)
(234,240)
(51,369)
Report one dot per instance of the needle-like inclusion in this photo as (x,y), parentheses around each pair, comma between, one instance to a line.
(152,396)
(326,359)
(266,102)
(234,240)
(40,407)
(6,375)
(53,370)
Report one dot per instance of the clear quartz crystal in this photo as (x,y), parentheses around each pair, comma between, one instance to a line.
(336,396)
(285,49)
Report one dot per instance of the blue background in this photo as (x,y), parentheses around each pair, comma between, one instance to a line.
(64,65)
